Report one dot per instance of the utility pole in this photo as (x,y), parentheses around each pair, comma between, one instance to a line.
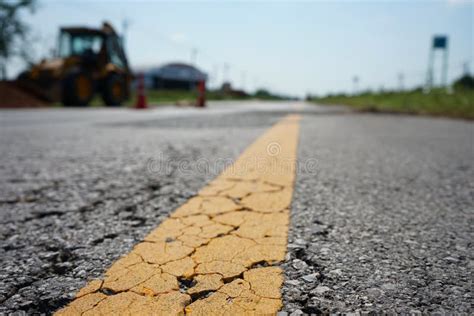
(192,82)
(226,72)
(355,81)
(401,79)
(465,68)
(449,88)
(215,72)
(255,83)
(429,75)
(445,66)
(194,53)
(243,79)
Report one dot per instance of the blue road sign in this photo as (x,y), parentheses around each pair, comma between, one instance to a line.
(440,42)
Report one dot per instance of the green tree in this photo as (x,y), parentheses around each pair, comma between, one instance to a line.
(465,82)
(262,93)
(13,32)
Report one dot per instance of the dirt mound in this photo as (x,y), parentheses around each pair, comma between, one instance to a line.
(12,96)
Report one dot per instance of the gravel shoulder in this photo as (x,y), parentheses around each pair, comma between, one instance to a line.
(385,224)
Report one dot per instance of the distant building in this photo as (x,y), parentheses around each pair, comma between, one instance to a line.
(173,76)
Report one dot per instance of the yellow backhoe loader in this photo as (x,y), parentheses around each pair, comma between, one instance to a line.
(88,61)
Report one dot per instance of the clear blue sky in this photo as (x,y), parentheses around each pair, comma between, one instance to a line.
(287,46)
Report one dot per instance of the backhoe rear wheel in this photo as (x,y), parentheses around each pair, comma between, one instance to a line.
(114,90)
(77,89)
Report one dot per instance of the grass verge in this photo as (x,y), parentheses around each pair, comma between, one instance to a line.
(459,104)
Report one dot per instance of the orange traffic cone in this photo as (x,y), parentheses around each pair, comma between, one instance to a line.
(201,99)
(141,97)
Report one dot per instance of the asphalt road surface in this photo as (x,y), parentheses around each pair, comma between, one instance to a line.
(381,220)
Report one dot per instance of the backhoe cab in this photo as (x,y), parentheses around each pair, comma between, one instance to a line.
(88,61)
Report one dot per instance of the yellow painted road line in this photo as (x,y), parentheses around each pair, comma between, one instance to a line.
(224,244)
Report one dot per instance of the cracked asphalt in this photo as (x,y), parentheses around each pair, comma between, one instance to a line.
(217,253)
(382,222)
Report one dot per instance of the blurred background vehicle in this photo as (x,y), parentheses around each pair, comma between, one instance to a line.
(88,61)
